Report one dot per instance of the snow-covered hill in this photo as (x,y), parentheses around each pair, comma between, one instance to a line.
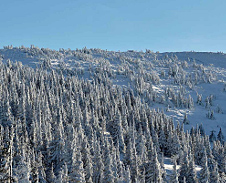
(178,73)
(92,115)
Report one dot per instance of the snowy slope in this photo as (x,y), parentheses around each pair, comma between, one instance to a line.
(217,59)
(125,69)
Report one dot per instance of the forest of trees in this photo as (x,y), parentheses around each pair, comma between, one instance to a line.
(57,127)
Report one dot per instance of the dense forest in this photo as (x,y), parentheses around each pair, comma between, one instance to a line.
(69,124)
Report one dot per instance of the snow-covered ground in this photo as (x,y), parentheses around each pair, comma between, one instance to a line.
(169,167)
(168,164)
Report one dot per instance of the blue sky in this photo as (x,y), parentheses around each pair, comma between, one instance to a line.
(158,25)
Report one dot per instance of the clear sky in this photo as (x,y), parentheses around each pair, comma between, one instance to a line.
(158,25)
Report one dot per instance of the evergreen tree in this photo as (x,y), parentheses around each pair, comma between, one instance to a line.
(23,168)
(127,177)
(153,170)
(220,136)
(87,161)
(204,173)
(98,165)
(191,174)
(77,172)
(108,173)
(214,175)
(184,168)
(174,176)
(212,136)
(186,121)
(201,129)
(6,174)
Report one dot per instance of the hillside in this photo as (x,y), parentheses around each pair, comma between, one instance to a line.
(91,115)
(125,68)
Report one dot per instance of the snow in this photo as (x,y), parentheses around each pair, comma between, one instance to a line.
(151,62)
(125,68)
(168,165)
(207,58)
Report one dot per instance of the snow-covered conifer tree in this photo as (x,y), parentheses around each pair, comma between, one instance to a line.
(220,136)
(204,173)
(174,176)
